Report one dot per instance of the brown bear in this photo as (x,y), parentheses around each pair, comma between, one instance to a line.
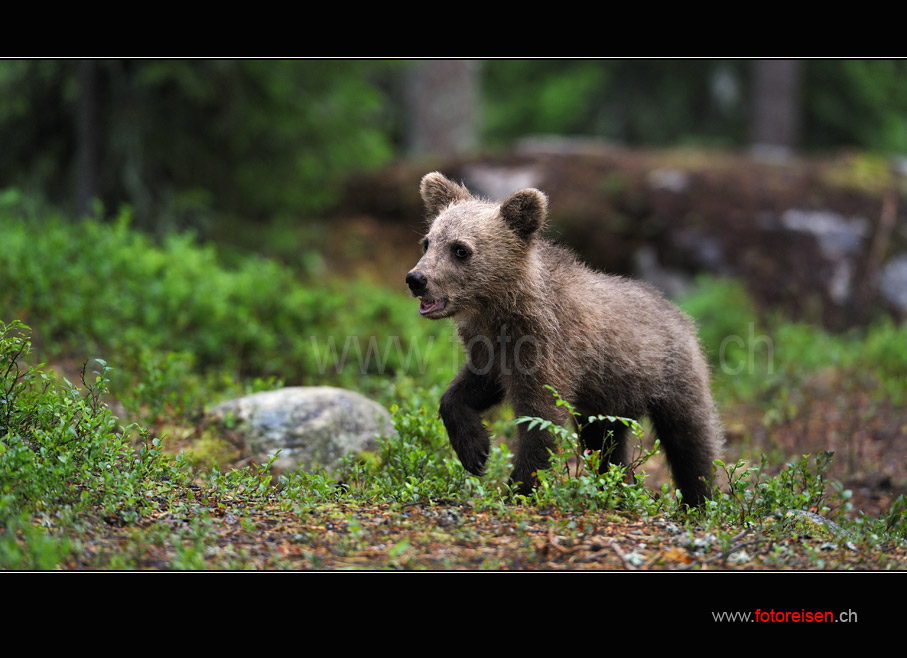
(529,314)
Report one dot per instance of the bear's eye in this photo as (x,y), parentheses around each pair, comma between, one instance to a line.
(424,245)
(460,251)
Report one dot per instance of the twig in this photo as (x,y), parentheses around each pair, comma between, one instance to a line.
(736,545)
(623,556)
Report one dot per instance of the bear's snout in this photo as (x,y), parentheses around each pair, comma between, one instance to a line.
(416,282)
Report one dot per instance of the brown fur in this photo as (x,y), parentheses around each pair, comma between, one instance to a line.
(530,314)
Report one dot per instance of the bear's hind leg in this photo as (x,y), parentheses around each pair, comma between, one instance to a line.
(691,437)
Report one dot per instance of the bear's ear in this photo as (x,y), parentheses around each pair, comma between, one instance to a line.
(438,192)
(525,212)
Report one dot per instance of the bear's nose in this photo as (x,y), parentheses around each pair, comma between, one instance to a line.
(416,282)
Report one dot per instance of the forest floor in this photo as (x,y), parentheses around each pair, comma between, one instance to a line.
(441,536)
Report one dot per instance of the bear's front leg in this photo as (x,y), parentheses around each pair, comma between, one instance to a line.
(535,445)
(467,396)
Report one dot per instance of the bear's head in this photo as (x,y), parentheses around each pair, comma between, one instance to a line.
(475,252)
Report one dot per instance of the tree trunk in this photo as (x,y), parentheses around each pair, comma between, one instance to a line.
(87,136)
(442,100)
(776,104)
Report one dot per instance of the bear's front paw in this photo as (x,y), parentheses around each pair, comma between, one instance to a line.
(473,460)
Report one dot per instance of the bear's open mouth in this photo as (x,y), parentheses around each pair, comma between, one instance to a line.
(428,305)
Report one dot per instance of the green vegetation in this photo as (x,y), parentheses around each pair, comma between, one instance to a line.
(574,482)
(758,358)
(182,325)
(185,141)
(164,329)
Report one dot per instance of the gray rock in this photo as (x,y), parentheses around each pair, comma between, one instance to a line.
(311,426)
(838,236)
(840,241)
(893,283)
(665,178)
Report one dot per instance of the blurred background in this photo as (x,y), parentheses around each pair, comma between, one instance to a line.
(186,142)
(214,226)
(225,148)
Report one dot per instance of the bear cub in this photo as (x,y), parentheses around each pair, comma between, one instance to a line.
(529,314)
